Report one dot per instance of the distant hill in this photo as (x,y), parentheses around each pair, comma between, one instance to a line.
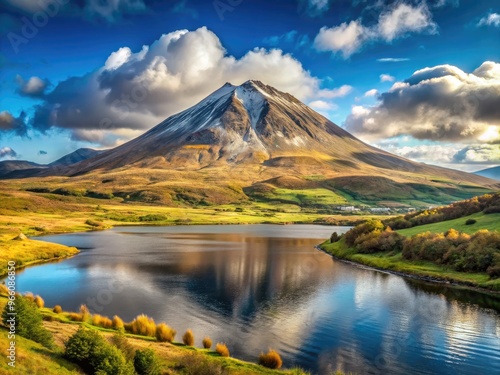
(23,168)
(493,172)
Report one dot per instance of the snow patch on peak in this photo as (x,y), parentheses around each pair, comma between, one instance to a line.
(253,101)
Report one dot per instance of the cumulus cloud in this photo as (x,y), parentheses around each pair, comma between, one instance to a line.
(11,124)
(33,87)
(134,91)
(372,92)
(322,105)
(395,22)
(478,154)
(387,78)
(7,153)
(441,103)
(492,19)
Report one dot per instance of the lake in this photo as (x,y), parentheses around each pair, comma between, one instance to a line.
(260,286)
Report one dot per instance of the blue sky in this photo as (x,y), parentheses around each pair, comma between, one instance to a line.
(417,78)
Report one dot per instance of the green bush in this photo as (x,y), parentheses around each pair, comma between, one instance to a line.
(89,350)
(28,321)
(335,237)
(470,221)
(146,362)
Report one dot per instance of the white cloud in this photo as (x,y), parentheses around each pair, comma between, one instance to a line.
(441,103)
(33,87)
(372,92)
(480,154)
(387,78)
(135,91)
(392,59)
(7,153)
(335,93)
(346,38)
(492,19)
(321,105)
(315,7)
(404,19)
(396,22)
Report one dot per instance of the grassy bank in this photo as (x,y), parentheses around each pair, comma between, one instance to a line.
(394,262)
(489,222)
(32,358)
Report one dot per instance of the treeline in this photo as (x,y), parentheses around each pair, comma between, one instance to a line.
(489,203)
(479,252)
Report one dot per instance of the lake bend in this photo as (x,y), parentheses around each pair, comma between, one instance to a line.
(256,287)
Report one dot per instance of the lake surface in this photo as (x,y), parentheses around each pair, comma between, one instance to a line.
(260,286)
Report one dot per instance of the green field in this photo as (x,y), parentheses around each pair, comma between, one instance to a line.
(489,222)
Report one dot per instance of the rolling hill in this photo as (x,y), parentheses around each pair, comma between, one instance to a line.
(493,173)
(253,142)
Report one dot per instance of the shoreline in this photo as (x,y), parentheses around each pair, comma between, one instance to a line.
(424,278)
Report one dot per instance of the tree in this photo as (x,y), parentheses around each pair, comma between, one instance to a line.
(28,321)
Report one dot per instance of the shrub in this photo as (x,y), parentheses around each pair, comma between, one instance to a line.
(94,355)
(358,230)
(196,364)
(207,342)
(102,321)
(492,210)
(470,221)
(57,309)
(93,223)
(85,313)
(28,321)
(76,317)
(29,296)
(271,359)
(117,322)
(39,302)
(4,290)
(164,333)
(188,338)
(334,237)
(146,362)
(120,341)
(222,349)
(143,325)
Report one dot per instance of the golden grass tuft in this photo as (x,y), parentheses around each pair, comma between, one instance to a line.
(85,313)
(57,309)
(222,349)
(164,333)
(29,296)
(76,317)
(271,359)
(117,322)
(39,302)
(101,321)
(207,342)
(4,290)
(143,325)
(188,338)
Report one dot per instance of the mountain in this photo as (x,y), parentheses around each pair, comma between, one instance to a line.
(75,157)
(23,168)
(493,173)
(255,142)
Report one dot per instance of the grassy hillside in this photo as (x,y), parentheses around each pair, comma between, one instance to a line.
(32,358)
(489,222)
